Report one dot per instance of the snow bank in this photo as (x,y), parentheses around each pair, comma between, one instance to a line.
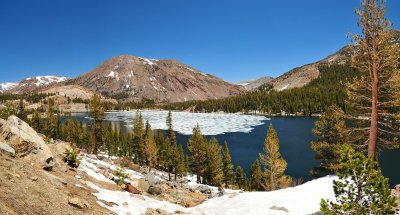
(183,122)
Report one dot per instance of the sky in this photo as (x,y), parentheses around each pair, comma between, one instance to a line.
(231,39)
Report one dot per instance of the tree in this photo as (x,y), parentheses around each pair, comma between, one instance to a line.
(171,150)
(138,140)
(180,161)
(377,58)
(255,176)
(97,114)
(21,110)
(240,177)
(7,111)
(228,166)
(197,146)
(150,147)
(361,188)
(214,172)
(273,163)
(331,132)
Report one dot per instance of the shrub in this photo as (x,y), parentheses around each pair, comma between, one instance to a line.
(120,175)
(71,158)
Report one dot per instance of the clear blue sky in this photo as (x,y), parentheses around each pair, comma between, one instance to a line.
(232,39)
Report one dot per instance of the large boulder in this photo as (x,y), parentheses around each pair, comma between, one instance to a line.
(6,149)
(155,191)
(151,178)
(26,142)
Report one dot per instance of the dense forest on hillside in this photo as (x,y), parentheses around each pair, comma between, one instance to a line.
(320,93)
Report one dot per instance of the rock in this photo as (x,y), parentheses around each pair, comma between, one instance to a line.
(204,189)
(15,175)
(150,211)
(151,179)
(222,191)
(78,203)
(397,187)
(6,149)
(125,204)
(161,211)
(143,185)
(34,178)
(2,122)
(25,141)
(190,204)
(123,186)
(155,191)
(49,164)
(137,196)
(132,189)
(279,208)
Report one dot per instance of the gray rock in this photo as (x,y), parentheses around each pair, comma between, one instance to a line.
(143,185)
(77,202)
(25,141)
(154,190)
(151,178)
(279,208)
(204,189)
(8,150)
(49,164)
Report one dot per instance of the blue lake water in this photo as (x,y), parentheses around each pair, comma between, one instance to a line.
(295,136)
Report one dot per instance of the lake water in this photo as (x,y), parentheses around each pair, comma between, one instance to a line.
(295,136)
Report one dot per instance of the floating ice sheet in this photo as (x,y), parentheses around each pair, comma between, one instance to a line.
(183,122)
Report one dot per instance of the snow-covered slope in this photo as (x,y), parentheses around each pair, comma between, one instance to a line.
(300,200)
(7,86)
(31,84)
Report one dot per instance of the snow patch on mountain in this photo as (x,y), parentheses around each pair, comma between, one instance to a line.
(7,86)
(147,61)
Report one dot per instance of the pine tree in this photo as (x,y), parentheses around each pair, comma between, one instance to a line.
(361,188)
(162,149)
(171,149)
(372,96)
(228,166)
(21,110)
(273,163)
(150,147)
(138,141)
(240,178)
(36,121)
(214,172)
(331,132)
(255,176)
(7,111)
(97,114)
(197,146)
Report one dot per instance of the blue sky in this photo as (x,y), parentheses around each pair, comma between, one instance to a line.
(232,39)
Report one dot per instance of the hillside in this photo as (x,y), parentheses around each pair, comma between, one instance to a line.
(139,79)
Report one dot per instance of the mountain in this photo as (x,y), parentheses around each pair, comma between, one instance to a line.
(254,84)
(139,79)
(31,84)
(301,76)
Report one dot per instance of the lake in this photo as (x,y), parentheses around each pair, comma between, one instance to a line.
(294,134)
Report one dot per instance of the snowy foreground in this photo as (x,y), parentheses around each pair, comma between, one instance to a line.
(303,199)
(183,122)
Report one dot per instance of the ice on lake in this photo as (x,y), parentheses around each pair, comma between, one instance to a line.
(183,122)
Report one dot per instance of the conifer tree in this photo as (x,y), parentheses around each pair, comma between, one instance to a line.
(21,110)
(138,141)
(214,172)
(361,188)
(7,111)
(197,146)
(255,176)
(240,178)
(179,160)
(162,149)
(331,132)
(273,163)
(228,166)
(150,147)
(371,97)
(171,150)
(97,114)
(36,121)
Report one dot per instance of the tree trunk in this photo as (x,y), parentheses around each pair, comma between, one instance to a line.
(373,132)
(94,139)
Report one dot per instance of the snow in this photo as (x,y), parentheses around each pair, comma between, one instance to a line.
(7,86)
(147,61)
(284,87)
(183,122)
(113,75)
(242,84)
(46,80)
(131,74)
(303,199)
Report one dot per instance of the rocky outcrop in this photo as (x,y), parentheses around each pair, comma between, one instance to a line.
(26,142)
(6,149)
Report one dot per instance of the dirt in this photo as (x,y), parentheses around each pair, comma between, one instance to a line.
(27,189)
